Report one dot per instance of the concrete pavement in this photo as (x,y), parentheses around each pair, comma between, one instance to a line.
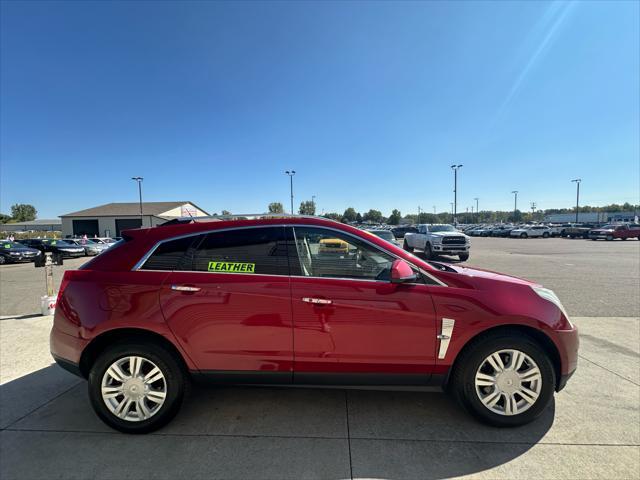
(592,430)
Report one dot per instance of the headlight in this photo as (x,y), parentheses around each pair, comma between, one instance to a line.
(437,239)
(550,296)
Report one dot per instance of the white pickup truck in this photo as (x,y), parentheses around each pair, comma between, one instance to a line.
(438,239)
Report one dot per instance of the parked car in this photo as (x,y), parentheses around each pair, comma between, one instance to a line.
(91,247)
(58,247)
(399,232)
(502,231)
(108,241)
(531,231)
(612,232)
(385,235)
(577,230)
(252,301)
(438,239)
(14,252)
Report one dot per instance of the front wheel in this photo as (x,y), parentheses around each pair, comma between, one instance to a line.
(136,387)
(504,380)
(2,260)
(523,235)
(545,235)
(428,253)
(609,238)
(463,257)
(405,246)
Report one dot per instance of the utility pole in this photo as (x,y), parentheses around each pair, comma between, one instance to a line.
(139,180)
(455,192)
(313,200)
(291,173)
(477,209)
(577,180)
(533,209)
(515,204)
(418,214)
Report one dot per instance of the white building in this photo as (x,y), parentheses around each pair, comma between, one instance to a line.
(110,219)
(592,217)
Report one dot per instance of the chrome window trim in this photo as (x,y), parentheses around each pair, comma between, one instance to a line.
(145,257)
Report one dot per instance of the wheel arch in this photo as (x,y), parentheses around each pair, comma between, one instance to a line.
(110,337)
(543,340)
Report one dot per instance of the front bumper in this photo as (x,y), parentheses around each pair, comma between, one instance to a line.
(567,342)
(599,236)
(453,249)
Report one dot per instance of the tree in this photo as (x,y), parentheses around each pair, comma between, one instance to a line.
(22,212)
(359,218)
(349,215)
(307,208)
(4,218)
(276,207)
(395,217)
(372,215)
(333,216)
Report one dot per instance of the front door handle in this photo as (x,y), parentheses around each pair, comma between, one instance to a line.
(185,288)
(317,301)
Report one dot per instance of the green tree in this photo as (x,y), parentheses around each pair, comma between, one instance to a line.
(395,217)
(307,208)
(349,215)
(359,218)
(22,212)
(333,216)
(276,207)
(372,215)
(4,218)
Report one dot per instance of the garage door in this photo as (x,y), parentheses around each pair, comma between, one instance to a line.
(127,223)
(85,227)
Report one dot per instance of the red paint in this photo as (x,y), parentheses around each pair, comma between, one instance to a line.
(251,322)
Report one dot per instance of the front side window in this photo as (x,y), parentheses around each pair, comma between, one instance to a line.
(243,251)
(328,253)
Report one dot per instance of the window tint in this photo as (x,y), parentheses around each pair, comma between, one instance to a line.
(327,253)
(245,251)
(171,255)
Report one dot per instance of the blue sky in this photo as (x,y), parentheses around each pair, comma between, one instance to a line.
(369,102)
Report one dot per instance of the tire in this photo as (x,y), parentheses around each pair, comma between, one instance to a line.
(609,238)
(545,235)
(463,257)
(428,253)
(523,235)
(2,260)
(174,382)
(463,380)
(623,238)
(405,246)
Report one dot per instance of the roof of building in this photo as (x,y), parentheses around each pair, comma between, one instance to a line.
(126,209)
(38,221)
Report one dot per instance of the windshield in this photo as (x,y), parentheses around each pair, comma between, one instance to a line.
(53,241)
(442,228)
(11,245)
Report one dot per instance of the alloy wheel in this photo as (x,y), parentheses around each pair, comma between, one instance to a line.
(508,382)
(134,388)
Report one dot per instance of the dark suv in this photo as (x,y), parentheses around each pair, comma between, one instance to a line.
(56,247)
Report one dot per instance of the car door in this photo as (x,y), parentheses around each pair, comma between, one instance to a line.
(351,324)
(228,302)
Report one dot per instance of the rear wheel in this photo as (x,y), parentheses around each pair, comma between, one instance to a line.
(523,235)
(2,260)
(406,246)
(428,253)
(609,238)
(136,387)
(504,380)
(545,235)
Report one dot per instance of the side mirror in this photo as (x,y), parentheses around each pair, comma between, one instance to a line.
(401,272)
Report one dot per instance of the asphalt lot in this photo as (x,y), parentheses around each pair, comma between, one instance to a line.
(592,430)
(591,278)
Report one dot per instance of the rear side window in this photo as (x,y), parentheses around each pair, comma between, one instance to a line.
(243,251)
(171,255)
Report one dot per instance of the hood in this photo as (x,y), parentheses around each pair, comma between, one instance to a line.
(22,250)
(602,230)
(488,274)
(447,234)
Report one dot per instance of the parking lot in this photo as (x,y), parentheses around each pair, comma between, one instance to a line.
(592,430)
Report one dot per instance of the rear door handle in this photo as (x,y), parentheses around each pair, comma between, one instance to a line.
(185,288)
(317,301)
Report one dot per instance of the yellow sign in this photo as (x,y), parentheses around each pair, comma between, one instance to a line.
(233,267)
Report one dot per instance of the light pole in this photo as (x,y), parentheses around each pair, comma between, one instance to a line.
(418,213)
(515,204)
(577,180)
(291,173)
(533,209)
(313,201)
(477,208)
(139,180)
(455,191)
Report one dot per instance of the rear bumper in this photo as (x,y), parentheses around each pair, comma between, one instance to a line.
(66,350)
(68,366)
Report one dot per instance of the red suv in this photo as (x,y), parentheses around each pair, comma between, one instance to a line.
(262,302)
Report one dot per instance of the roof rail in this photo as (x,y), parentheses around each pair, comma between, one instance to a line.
(235,216)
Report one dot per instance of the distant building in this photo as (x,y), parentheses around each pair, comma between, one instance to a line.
(111,219)
(48,225)
(592,217)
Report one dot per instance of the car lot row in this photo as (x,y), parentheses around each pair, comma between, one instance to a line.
(33,249)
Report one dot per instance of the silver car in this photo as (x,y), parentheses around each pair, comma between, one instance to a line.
(91,248)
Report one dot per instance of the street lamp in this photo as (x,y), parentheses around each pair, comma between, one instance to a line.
(291,173)
(139,180)
(455,191)
(477,208)
(515,204)
(313,201)
(577,180)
